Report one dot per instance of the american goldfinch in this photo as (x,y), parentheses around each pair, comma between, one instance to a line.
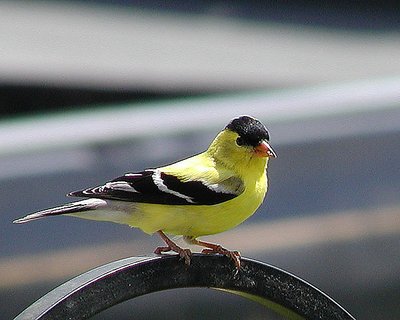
(206,194)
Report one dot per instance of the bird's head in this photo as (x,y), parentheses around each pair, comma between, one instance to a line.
(244,138)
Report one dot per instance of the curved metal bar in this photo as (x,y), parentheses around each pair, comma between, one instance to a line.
(110,284)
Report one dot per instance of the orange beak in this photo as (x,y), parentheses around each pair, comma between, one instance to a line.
(264,150)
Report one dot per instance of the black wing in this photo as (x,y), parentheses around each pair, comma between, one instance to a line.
(154,186)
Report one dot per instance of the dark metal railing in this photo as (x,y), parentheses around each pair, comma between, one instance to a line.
(113,283)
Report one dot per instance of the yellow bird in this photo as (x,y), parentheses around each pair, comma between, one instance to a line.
(206,194)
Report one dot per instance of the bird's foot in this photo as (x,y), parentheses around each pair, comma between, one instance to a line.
(185,254)
(212,248)
(234,255)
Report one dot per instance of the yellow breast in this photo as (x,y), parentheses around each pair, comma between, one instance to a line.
(199,220)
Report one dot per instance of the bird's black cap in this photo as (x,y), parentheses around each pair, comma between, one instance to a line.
(251,131)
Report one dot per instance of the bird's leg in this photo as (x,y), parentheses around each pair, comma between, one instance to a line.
(216,248)
(172,246)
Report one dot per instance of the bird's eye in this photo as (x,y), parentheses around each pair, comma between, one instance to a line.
(239,141)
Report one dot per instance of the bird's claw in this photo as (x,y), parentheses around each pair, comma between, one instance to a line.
(184,254)
(234,255)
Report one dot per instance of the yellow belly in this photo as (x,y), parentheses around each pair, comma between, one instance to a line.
(194,221)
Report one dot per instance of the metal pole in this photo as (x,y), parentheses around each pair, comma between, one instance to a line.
(110,284)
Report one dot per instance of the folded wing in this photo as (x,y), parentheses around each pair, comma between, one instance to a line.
(155,186)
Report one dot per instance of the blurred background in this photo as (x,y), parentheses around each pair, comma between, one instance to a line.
(93,89)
